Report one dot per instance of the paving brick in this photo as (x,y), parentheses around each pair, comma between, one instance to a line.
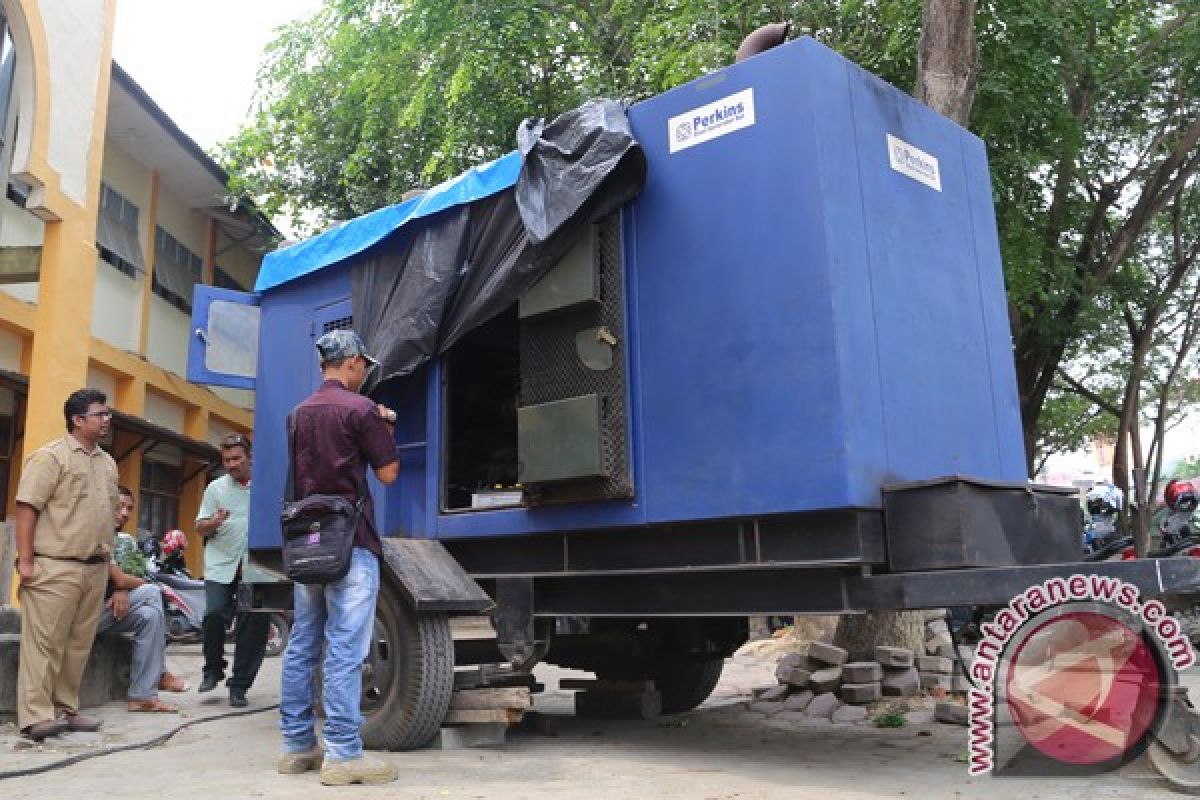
(825,680)
(944,649)
(774,693)
(935,680)
(919,717)
(901,682)
(823,705)
(894,656)
(827,654)
(789,663)
(951,713)
(862,672)
(861,693)
(935,643)
(799,701)
(796,678)
(849,714)
(938,664)
(766,706)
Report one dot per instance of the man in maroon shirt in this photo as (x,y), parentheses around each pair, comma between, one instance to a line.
(339,433)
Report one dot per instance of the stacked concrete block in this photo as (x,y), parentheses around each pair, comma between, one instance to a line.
(827,654)
(825,680)
(860,694)
(900,677)
(798,701)
(937,634)
(823,706)
(935,672)
(861,682)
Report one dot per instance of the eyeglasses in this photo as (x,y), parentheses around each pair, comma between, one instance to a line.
(235,440)
(98,414)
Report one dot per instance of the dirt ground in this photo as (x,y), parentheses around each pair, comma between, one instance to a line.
(721,750)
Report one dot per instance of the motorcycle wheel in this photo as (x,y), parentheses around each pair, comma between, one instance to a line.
(278,631)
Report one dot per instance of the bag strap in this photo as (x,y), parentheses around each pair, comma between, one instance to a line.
(289,489)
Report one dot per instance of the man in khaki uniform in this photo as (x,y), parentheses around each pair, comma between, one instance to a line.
(66,502)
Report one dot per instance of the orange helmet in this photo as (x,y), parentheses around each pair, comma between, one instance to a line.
(173,541)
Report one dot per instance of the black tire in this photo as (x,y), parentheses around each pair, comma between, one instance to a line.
(685,687)
(408,677)
(278,631)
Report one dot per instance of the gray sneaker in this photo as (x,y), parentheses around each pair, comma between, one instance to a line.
(364,769)
(298,763)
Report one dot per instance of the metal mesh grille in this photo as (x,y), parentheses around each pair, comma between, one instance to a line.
(552,370)
(339,324)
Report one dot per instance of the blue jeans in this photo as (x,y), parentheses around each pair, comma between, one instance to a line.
(340,616)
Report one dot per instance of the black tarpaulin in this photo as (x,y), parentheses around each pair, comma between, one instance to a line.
(416,293)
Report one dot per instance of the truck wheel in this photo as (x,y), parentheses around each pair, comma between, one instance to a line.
(408,677)
(687,686)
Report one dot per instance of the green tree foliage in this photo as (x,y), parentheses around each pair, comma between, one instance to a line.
(371,98)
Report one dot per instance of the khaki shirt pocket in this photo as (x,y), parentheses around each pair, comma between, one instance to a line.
(76,484)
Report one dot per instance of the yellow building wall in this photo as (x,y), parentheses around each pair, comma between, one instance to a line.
(61,94)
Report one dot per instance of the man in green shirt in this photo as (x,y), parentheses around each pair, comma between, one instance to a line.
(223,521)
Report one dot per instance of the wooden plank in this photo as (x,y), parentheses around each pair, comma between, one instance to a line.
(479,715)
(615,686)
(471,699)
(431,579)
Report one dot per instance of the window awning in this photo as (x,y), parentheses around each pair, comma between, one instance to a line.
(192,448)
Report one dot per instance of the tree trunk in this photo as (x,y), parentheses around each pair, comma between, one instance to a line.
(859,634)
(947,68)
(948,58)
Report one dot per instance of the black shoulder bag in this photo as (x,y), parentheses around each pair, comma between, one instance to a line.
(318,530)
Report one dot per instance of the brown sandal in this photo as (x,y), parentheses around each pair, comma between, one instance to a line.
(173,683)
(152,705)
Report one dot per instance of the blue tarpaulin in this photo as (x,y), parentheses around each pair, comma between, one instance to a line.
(353,237)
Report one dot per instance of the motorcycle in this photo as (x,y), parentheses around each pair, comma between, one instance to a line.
(184,603)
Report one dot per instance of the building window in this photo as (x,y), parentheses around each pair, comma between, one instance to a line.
(12,418)
(117,233)
(176,271)
(223,280)
(158,500)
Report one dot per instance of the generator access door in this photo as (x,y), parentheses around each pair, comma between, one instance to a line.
(572,415)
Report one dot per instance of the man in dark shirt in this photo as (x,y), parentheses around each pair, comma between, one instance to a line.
(338,434)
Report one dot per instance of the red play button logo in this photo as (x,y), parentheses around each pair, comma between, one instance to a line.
(1084,687)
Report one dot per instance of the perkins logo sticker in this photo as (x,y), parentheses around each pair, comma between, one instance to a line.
(724,116)
(914,162)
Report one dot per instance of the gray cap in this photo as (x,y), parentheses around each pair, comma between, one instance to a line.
(342,343)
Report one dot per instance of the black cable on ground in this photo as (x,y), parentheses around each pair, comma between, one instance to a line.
(155,742)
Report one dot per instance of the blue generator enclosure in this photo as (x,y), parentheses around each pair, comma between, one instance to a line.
(805,303)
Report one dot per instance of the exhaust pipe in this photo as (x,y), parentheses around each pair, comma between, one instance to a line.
(762,39)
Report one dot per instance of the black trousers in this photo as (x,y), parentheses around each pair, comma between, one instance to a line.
(251,636)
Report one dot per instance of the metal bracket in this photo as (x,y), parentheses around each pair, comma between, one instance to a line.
(513,620)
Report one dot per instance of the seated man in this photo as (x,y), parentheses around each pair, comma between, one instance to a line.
(136,607)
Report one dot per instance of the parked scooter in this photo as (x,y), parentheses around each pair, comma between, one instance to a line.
(184,599)
(1102,532)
